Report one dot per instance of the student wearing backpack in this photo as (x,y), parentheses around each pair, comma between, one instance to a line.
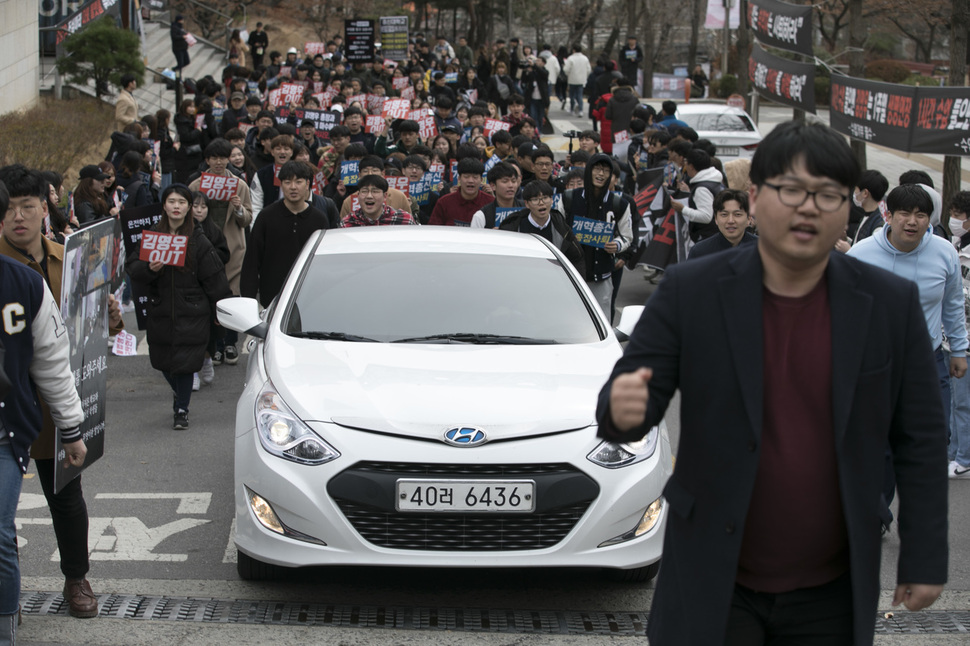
(705,183)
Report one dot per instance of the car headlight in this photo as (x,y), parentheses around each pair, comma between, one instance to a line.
(613,456)
(284,434)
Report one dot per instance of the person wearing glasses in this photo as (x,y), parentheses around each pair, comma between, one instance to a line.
(539,217)
(796,366)
(374,209)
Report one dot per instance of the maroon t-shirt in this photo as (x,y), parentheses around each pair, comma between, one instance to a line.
(795,534)
(454,210)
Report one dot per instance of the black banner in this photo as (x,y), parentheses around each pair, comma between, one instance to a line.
(323,120)
(133,221)
(782,25)
(878,113)
(941,121)
(394,37)
(84,16)
(359,35)
(782,80)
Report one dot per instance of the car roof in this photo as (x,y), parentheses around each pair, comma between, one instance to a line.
(709,108)
(431,239)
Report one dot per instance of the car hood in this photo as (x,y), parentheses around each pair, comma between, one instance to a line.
(421,390)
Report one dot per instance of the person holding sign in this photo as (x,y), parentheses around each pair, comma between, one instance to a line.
(504,182)
(593,204)
(541,219)
(373,165)
(35,358)
(182,297)
(374,209)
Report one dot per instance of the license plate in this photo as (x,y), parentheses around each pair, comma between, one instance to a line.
(728,151)
(466,495)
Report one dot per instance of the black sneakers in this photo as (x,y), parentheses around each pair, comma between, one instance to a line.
(217,358)
(232,356)
(181,420)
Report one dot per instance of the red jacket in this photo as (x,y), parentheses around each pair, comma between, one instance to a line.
(606,126)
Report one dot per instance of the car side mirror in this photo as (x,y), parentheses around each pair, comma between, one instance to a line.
(628,321)
(242,315)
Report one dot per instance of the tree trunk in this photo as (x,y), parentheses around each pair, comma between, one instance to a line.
(649,39)
(857,65)
(959,24)
(696,6)
(744,49)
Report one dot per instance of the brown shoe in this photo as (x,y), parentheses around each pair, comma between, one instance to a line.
(80,598)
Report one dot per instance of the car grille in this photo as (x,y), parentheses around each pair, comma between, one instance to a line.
(465,532)
(462,532)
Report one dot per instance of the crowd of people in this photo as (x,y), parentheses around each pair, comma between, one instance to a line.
(468,153)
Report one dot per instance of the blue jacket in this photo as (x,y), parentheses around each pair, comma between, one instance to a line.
(935,268)
(37,354)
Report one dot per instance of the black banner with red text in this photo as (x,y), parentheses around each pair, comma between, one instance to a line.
(781,25)
(782,80)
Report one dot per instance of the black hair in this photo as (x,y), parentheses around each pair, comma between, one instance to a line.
(21,181)
(268,133)
(181,189)
(4,198)
(265,114)
(516,99)
(218,148)
(286,128)
(637,126)
(680,147)
(525,149)
(352,111)
(355,151)
(824,152)
(477,111)
(199,196)
(127,78)
(253,100)
(308,122)
(699,159)
(339,132)
(371,161)
(687,133)
(471,166)
(469,150)
(707,146)
(728,194)
(408,125)
(421,149)
(501,137)
(53,178)
(131,162)
(543,151)
(234,133)
(535,188)
(444,103)
(668,107)
(579,157)
(501,170)
(874,182)
(376,181)
(916,177)
(416,160)
(577,47)
(590,134)
(961,202)
(661,137)
(296,170)
(909,197)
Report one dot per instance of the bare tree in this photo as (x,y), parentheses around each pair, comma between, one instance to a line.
(959,25)
(857,64)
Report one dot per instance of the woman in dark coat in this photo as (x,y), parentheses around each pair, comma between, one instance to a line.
(181,300)
(536,77)
(500,87)
(180,47)
(192,141)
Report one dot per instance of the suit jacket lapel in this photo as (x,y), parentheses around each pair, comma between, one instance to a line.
(851,310)
(741,297)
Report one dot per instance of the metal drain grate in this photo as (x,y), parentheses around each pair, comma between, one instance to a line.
(487,620)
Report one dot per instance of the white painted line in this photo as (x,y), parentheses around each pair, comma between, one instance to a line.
(230,554)
(189,503)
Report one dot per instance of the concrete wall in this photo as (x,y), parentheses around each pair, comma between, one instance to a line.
(19,42)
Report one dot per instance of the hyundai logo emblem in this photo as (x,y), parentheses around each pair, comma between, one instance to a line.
(465,436)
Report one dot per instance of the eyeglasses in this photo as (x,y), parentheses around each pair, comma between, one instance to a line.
(542,164)
(540,199)
(366,192)
(26,210)
(794,196)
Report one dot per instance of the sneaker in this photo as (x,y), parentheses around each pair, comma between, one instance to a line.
(217,358)
(232,356)
(960,473)
(181,420)
(196,382)
(208,373)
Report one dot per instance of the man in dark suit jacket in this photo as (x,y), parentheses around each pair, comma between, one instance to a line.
(773,529)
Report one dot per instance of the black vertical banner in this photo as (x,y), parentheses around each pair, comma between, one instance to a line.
(359,35)
(782,80)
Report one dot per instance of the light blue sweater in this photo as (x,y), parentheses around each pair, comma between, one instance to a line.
(935,268)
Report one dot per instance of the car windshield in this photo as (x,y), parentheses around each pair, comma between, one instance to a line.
(439,298)
(718,122)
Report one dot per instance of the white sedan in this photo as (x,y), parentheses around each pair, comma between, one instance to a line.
(732,130)
(425,396)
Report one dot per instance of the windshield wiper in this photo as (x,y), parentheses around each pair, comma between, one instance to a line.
(332,336)
(470,337)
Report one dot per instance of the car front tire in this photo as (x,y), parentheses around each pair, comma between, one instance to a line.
(636,575)
(250,569)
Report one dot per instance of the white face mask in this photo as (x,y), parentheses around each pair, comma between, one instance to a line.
(857,200)
(956,227)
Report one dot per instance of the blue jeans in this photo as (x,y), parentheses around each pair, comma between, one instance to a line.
(576,98)
(959,447)
(538,112)
(11,478)
(943,369)
(182,388)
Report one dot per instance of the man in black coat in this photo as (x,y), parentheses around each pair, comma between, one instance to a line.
(786,411)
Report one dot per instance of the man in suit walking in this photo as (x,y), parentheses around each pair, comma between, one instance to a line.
(773,530)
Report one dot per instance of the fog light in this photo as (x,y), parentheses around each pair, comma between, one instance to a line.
(647,522)
(650,517)
(264,513)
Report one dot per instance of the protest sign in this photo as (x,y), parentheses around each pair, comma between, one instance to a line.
(314,48)
(359,37)
(125,345)
(394,37)
(400,82)
(166,248)
(494,125)
(879,113)
(782,80)
(218,187)
(668,86)
(375,103)
(428,128)
(399,182)
(408,93)
(396,109)
(782,25)
(592,233)
(350,173)
(374,124)
(323,120)
(502,212)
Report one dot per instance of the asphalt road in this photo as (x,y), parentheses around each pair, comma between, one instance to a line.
(160,504)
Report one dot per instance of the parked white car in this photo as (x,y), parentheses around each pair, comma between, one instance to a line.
(732,130)
(425,396)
